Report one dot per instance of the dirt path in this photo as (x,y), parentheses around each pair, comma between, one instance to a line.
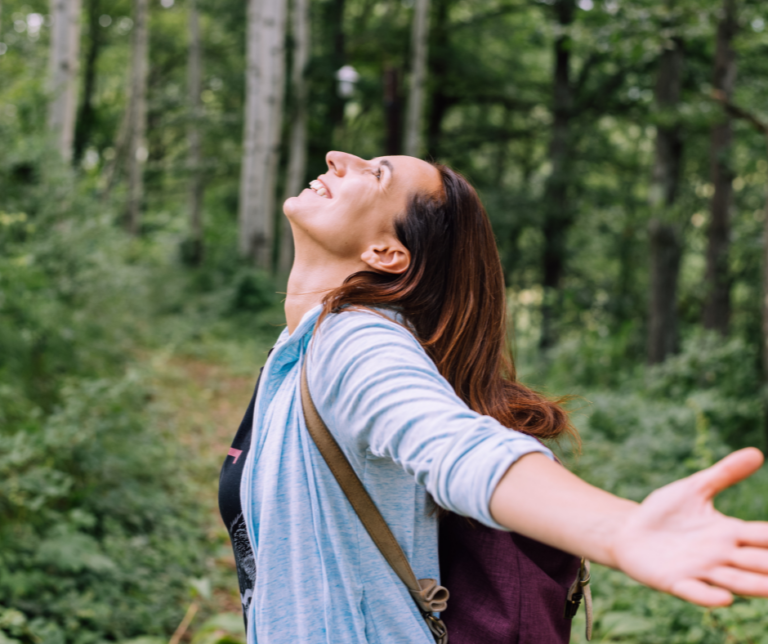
(202,405)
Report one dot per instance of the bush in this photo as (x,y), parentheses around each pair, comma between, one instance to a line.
(660,424)
(99,533)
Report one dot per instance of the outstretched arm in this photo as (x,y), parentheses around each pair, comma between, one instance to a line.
(674,541)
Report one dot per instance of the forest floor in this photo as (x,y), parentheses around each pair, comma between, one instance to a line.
(201,403)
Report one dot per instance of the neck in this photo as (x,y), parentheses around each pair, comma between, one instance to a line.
(311,279)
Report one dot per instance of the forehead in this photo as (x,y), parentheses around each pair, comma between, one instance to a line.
(412,174)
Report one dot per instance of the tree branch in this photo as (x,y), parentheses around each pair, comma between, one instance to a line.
(738,112)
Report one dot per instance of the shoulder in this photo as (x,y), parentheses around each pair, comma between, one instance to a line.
(354,327)
(363,342)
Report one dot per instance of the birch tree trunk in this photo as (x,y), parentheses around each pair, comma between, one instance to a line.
(137,116)
(558,212)
(419,35)
(717,306)
(194,254)
(663,230)
(65,47)
(265,71)
(297,161)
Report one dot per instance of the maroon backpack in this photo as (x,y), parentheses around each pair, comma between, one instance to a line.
(505,588)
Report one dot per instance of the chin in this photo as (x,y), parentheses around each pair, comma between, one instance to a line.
(294,206)
(291,206)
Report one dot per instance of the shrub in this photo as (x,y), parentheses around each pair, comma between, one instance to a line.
(98,527)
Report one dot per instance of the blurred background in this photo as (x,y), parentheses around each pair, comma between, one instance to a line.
(146,146)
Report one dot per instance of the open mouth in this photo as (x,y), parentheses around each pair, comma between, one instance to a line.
(319,187)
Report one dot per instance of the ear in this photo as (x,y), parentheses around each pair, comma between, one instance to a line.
(391,257)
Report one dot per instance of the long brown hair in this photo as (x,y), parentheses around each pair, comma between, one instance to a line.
(452,295)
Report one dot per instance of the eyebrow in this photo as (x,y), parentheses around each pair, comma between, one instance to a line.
(388,164)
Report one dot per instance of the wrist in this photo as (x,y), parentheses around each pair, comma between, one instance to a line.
(610,532)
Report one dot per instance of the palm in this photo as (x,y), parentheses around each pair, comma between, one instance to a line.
(677,542)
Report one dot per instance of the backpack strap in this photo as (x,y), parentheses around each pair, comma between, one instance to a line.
(428,595)
(579,590)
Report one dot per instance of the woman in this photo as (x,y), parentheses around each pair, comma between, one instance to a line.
(395,300)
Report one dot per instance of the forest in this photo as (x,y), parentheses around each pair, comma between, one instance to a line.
(146,147)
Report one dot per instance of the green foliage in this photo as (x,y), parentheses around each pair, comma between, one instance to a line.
(98,529)
(648,428)
(226,628)
(254,291)
(100,538)
(627,612)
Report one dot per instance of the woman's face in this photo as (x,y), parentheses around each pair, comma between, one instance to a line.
(353,207)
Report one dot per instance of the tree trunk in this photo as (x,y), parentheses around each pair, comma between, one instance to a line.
(65,46)
(717,307)
(665,251)
(438,69)
(297,160)
(336,9)
(87,114)
(762,127)
(665,239)
(765,304)
(392,111)
(254,141)
(264,94)
(558,212)
(137,115)
(194,251)
(419,36)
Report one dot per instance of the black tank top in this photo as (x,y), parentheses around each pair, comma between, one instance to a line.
(231,509)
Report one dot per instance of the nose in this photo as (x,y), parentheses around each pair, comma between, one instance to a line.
(341,162)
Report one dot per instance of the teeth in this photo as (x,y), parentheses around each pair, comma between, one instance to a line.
(318,187)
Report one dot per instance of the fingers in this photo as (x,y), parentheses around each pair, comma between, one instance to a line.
(733,468)
(697,592)
(753,533)
(752,559)
(741,582)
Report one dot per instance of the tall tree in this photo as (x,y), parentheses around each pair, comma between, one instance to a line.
(265,73)
(64,53)
(558,211)
(137,152)
(419,36)
(86,115)
(762,127)
(438,69)
(717,306)
(335,10)
(297,160)
(393,144)
(664,230)
(196,186)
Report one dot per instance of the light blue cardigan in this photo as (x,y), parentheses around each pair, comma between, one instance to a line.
(320,578)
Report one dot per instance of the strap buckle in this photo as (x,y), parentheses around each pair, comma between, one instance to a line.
(437,628)
(572,605)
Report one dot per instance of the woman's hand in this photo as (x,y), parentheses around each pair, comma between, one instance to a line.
(677,542)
